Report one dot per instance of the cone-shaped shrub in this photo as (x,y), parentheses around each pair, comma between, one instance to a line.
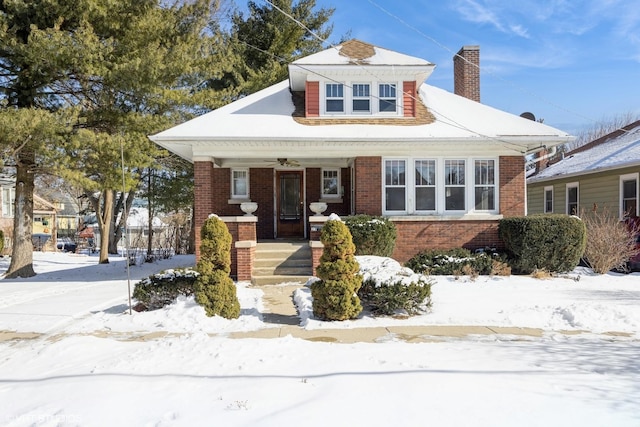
(335,294)
(214,289)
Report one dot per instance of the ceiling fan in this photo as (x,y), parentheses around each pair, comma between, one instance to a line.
(283,161)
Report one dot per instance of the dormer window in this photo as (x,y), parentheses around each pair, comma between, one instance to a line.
(334,98)
(361,98)
(387,97)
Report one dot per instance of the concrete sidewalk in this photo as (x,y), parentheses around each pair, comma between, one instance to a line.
(280,310)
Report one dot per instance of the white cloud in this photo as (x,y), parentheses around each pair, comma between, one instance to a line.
(483,13)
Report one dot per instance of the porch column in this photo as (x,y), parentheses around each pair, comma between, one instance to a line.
(243,248)
(316,222)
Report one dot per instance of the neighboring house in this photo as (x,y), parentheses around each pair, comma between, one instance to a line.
(601,174)
(356,127)
(68,214)
(138,230)
(44,215)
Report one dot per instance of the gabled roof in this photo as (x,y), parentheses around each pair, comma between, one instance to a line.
(619,149)
(260,124)
(358,57)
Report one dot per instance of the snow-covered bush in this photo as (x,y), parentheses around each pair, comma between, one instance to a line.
(335,294)
(214,289)
(164,288)
(388,288)
(372,235)
(551,242)
(456,261)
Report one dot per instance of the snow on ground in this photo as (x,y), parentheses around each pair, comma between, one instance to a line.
(89,367)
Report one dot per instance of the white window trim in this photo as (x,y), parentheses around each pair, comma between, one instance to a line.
(10,205)
(566,202)
(239,196)
(339,184)
(440,210)
(353,98)
(544,199)
(374,99)
(346,90)
(380,98)
(629,177)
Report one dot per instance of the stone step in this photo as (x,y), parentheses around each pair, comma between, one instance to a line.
(282,271)
(281,262)
(278,262)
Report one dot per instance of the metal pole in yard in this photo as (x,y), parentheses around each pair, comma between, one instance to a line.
(126,240)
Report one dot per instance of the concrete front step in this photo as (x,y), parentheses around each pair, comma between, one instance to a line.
(282,261)
(273,279)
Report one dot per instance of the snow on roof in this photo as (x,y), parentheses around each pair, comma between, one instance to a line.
(617,152)
(267,114)
(362,53)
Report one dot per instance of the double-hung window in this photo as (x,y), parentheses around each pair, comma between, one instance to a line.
(361,102)
(425,185)
(330,183)
(334,97)
(395,185)
(572,198)
(8,202)
(485,185)
(239,183)
(548,199)
(454,185)
(387,98)
(629,195)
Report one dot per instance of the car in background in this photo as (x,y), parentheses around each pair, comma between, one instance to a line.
(66,245)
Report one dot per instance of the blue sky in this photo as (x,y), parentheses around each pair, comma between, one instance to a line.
(571,62)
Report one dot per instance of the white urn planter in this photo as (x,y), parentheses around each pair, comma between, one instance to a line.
(318,208)
(248,208)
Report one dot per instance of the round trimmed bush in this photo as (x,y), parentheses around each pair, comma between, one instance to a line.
(372,235)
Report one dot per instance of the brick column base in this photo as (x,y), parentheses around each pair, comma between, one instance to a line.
(245,256)
(243,234)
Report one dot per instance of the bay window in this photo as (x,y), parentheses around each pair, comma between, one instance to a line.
(425,187)
(485,185)
(454,185)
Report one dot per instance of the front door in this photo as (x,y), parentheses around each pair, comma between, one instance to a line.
(290,204)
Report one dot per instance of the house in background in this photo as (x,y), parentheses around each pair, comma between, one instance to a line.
(44,217)
(357,128)
(603,173)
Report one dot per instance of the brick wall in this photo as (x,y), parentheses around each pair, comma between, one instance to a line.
(415,236)
(466,73)
(203,197)
(261,189)
(512,185)
(368,185)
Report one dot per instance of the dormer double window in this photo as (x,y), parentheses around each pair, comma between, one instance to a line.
(359,98)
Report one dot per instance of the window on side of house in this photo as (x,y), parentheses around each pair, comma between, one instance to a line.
(485,185)
(239,183)
(629,195)
(454,185)
(330,183)
(361,102)
(548,199)
(8,202)
(387,98)
(395,188)
(573,198)
(425,185)
(334,98)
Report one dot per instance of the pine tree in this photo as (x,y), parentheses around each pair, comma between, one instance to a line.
(335,295)
(214,289)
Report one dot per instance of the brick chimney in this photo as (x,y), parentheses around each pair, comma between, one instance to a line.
(466,72)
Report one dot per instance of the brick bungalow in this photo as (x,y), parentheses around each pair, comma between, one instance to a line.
(356,127)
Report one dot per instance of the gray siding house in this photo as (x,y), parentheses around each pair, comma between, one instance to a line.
(601,174)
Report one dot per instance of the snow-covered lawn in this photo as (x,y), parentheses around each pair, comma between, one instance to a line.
(81,361)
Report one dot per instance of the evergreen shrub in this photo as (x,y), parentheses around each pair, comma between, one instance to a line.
(389,297)
(214,289)
(1,241)
(454,261)
(372,235)
(543,242)
(164,288)
(335,294)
